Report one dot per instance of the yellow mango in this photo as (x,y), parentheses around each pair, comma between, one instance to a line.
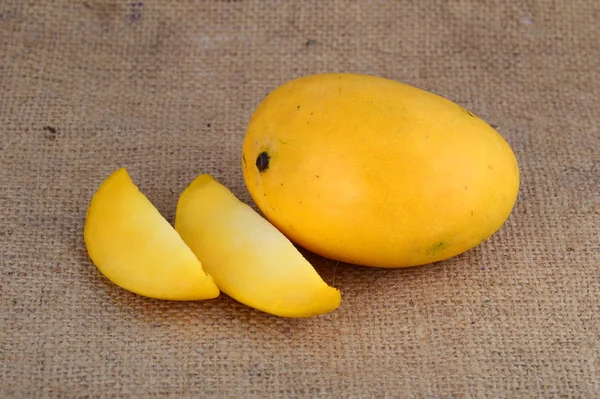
(375,172)
(136,248)
(250,260)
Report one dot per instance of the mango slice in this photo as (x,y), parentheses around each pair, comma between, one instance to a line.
(249,259)
(136,248)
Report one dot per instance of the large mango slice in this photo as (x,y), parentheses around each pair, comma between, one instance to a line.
(136,248)
(250,260)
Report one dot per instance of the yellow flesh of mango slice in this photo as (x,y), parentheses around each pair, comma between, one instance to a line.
(136,248)
(250,259)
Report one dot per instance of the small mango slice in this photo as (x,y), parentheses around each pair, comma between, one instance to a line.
(136,248)
(249,259)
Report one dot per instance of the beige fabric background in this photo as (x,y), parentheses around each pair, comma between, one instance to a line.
(166,88)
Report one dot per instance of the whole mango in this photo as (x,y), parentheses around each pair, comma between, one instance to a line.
(374,172)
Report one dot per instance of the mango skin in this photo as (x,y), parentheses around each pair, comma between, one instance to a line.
(374,172)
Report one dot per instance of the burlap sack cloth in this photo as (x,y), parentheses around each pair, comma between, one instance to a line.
(166,88)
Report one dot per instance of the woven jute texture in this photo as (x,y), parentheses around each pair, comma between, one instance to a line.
(167,88)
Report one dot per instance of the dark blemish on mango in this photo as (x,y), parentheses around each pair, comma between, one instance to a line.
(317,176)
(466,187)
(466,111)
(472,213)
(287,143)
(262,162)
(490,167)
(434,249)
(244,159)
(298,107)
